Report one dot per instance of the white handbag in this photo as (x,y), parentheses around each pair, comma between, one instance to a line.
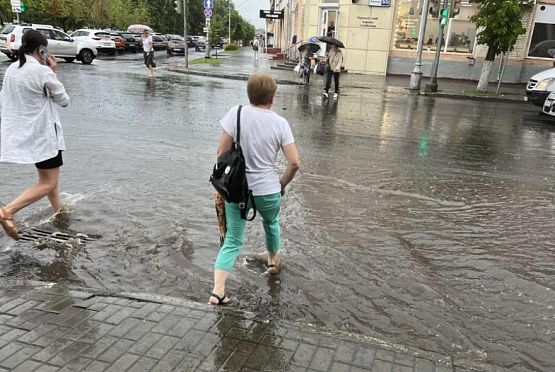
(297,69)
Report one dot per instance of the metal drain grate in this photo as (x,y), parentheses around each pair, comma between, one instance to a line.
(37,235)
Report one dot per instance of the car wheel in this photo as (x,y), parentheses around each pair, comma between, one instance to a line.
(12,57)
(69,59)
(86,56)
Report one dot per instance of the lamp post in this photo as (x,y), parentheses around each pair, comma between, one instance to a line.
(229,22)
(185,33)
(416,76)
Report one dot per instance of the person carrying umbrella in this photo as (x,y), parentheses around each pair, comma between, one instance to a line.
(306,50)
(334,59)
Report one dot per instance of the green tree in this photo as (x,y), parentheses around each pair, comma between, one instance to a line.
(500,24)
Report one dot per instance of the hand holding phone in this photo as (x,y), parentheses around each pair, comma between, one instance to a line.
(51,62)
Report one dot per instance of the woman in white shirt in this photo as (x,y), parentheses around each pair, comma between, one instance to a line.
(263,134)
(30,128)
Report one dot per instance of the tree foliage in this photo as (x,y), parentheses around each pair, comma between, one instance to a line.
(224,12)
(161,15)
(499,23)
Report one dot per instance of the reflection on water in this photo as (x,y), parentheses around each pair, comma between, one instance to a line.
(418,221)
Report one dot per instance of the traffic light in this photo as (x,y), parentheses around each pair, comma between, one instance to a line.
(454,7)
(22,7)
(434,8)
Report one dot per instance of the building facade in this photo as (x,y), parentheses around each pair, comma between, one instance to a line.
(381,37)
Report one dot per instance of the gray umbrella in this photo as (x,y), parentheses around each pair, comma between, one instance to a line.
(313,48)
(332,40)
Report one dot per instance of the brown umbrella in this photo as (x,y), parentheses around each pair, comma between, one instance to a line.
(220,212)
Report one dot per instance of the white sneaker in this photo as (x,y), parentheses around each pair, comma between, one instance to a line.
(335,95)
(326,94)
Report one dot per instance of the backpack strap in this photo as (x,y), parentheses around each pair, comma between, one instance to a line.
(238,140)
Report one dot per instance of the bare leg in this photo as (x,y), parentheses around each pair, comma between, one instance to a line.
(275,260)
(47,186)
(220,277)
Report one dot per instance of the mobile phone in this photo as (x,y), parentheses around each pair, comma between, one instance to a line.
(43,51)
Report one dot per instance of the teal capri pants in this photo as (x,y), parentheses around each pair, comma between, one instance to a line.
(267,207)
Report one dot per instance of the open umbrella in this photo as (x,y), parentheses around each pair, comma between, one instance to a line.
(313,47)
(138,29)
(332,40)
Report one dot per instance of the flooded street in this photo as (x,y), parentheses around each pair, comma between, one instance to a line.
(420,221)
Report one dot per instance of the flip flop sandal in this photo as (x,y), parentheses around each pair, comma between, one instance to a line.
(221,300)
(272,269)
(9,227)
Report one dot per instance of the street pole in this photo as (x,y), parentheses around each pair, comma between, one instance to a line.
(416,77)
(185,33)
(266,35)
(229,22)
(431,87)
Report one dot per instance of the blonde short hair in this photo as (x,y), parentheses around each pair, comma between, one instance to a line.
(261,88)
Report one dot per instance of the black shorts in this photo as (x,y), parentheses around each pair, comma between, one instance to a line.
(55,162)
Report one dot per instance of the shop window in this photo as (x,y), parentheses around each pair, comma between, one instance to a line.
(543,36)
(459,34)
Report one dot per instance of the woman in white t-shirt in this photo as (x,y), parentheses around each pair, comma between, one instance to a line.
(263,134)
(148,51)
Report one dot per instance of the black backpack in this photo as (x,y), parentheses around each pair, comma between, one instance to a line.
(229,176)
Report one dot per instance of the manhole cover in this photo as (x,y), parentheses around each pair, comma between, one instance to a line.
(39,235)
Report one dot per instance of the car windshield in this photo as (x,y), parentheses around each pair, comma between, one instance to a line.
(7,29)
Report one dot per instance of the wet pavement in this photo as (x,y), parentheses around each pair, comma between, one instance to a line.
(419,221)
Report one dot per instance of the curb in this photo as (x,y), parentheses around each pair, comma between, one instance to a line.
(242,77)
(474,98)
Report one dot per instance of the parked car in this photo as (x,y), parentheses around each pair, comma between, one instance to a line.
(159,41)
(60,44)
(200,43)
(540,86)
(194,40)
(176,44)
(131,44)
(549,105)
(190,42)
(119,41)
(101,39)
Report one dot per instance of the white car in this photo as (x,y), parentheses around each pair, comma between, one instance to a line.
(549,105)
(540,86)
(101,39)
(60,45)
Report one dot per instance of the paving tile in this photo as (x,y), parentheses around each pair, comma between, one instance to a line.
(260,357)
(322,359)
(78,364)
(443,368)
(401,368)
(145,310)
(27,305)
(141,329)
(58,306)
(10,349)
(30,319)
(364,357)
(340,367)
(381,366)
(246,347)
(27,366)
(63,318)
(20,356)
(101,330)
(279,360)
(96,366)
(124,327)
(170,362)
(166,308)
(14,334)
(289,344)
(215,360)
(159,349)
(190,341)
(423,365)
(123,363)
(235,362)
(141,347)
(156,316)
(181,328)
(297,368)
(345,352)
(385,355)
(166,324)
(4,308)
(93,351)
(206,322)
(106,312)
(144,364)
(406,360)
(43,297)
(52,350)
(188,364)
(47,368)
(29,337)
(69,353)
(120,315)
(80,330)
(50,337)
(115,351)
(80,295)
(304,354)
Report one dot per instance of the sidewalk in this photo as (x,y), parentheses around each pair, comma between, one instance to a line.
(240,65)
(46,327)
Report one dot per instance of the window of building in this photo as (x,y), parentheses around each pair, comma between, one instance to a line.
(459,34)
(543,36)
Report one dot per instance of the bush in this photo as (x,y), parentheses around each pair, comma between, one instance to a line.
(231,48)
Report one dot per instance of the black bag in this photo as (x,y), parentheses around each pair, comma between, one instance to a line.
(229,176)
(254,47)
(321,68)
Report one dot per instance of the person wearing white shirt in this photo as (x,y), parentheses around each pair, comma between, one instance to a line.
(30,128)
(263,135)
(255,47)
(148,51)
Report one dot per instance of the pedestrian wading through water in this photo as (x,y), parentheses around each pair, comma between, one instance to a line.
(263,133)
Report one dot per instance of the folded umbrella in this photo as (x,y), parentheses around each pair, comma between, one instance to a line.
(220,213)
(332,40)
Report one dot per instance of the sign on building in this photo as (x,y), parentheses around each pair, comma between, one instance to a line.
(380,3)
(271,14)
